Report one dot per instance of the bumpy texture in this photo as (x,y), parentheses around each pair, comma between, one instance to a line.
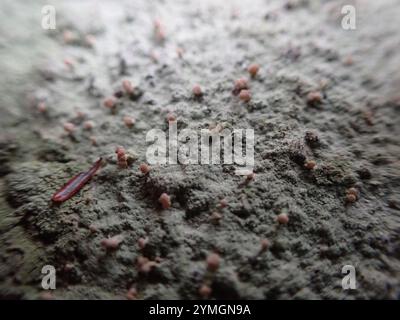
(352,134)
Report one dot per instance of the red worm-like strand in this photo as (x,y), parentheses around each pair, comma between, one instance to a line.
(76,183)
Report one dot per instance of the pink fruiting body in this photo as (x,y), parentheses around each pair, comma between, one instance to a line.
(223,203)
(213,261)
(69,127)
(110,103)
(310,164)
(127,86)
(197,91)
(142,242)
(93,140)
(171,117)
(42,107)
(88,125)
(165,201)
(129,121)
(264,245)
(282,218)
(112,243)
(314,97)
(144,168)
(240,84)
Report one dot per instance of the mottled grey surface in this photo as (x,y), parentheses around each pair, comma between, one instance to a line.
(301,48)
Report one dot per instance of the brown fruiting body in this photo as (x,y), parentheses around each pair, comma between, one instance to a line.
(240,84)
(253,69)
(310,164)
(353,191)
(165,201)
(144,168)
(264,245)
(314,98)
(110,103)
(245,95)
(205,291)
(351,198)
(215,217)
(251,176)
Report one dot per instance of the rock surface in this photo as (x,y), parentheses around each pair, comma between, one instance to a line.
(350,128)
